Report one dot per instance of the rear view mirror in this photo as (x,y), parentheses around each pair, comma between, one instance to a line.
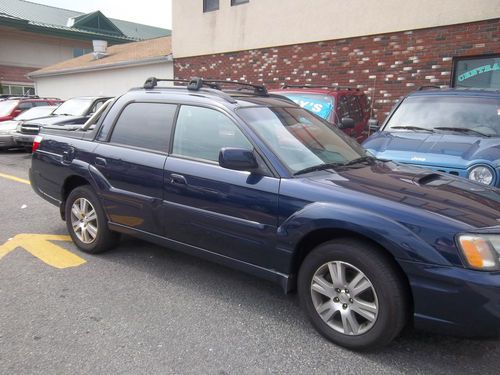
(238,159)
(346,123)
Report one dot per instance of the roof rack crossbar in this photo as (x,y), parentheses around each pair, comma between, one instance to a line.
(152,82)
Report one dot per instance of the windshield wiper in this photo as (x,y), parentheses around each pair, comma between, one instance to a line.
(462,130)
(334,165)
(416,128)
(319,167)
(359,160)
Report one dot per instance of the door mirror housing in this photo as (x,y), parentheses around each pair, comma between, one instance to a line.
(238,159)
(373,125)
(346,123)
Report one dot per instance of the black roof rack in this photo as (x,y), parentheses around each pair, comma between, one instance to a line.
(306,86)
(426,87)
(196,84)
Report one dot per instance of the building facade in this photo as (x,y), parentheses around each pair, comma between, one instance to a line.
(33,36)
(385,48)
(122,67)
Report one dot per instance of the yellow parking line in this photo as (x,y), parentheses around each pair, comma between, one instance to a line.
(14,178)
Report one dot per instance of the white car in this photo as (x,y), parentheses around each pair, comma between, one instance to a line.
(8,128)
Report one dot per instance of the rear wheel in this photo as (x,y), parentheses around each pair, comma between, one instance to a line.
(86,221)
(352,294)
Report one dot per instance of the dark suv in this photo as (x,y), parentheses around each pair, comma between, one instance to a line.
(257,183)
(14,106)
(345,107)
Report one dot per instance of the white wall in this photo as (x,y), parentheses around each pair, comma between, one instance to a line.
(31,50)
(105,82)
(266,23)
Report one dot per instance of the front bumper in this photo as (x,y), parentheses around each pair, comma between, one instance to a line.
(454,300)
(7,141)
(24,140)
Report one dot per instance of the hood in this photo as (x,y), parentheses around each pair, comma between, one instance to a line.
(9,125)
(444,149)
(442,194)
(57,120)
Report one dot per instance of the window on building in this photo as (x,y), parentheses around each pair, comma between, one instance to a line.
(81,51)
(200,133)
(8,89)
(479,72)
(238,2)
(145,125)
(210,5)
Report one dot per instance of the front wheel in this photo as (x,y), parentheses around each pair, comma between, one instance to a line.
(86,221)
(353,294)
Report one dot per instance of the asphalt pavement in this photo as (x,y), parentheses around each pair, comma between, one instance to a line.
(143,309)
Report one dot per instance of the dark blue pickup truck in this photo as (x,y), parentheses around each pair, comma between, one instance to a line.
(250,180)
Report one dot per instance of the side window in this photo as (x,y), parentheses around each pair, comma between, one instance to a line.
(210,5)
(200,133)
(40,104)
(343,110)
(24,106)
(145,125)
(354,108)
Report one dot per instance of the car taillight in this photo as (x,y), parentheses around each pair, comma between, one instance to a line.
(36,142)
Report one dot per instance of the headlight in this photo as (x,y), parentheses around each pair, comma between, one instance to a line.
(482,252)
(482,174)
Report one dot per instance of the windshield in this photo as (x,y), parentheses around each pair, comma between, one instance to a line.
(35,112)
(320,105)
(300,139)
(74,107)
(7,106)
(467,115)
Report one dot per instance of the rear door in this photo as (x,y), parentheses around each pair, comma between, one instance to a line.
(132,162)
(233,213)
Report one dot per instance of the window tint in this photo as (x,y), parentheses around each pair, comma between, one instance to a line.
(201,132)
(210,5)
(343,110)
(354,109)
(145,125)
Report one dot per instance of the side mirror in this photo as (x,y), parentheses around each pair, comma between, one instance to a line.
(238,159)
(346,123)
(373,125)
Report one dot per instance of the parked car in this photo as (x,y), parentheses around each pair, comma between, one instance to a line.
(73,111)
(345,107)
(8,128)
(259,184)
(454,131)
(14,106)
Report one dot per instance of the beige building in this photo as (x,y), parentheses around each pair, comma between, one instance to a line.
(384,48)
(122,67)
(229,25)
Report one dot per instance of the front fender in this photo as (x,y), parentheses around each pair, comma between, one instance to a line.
(398,239)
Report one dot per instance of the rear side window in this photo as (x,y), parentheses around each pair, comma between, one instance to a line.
(200,133)
(354,109)
(145,125)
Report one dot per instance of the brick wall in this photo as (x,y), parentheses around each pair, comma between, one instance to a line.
(388,65)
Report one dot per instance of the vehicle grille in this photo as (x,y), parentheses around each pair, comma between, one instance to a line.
(30,129)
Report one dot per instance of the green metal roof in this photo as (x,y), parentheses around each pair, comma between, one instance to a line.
(43,18)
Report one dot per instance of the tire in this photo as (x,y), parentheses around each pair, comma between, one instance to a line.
(350,318)
(92,234)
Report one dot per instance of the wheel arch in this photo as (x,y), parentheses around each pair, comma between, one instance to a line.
(70,183)
(320,236)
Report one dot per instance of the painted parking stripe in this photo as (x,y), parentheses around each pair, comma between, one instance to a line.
(14,178)
(41,247)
